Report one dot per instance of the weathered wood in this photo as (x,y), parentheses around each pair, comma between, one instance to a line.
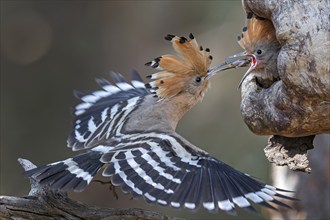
(297,107)
(285,151)
(45,203)
(299,104)
(312,189)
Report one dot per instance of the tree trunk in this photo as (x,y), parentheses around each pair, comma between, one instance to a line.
(313,190)
(297,107)
(299,104)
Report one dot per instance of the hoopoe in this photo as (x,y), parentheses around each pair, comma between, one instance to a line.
(128,129)
(261,49)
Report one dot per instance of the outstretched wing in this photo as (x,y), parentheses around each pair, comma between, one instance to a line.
(102,111)
(165,170)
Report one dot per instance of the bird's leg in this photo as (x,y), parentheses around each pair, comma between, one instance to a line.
(111,186)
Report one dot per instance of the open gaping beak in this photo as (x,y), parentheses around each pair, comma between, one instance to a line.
(253,61)
(238,60)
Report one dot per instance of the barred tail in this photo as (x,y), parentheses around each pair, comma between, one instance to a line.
(73,173)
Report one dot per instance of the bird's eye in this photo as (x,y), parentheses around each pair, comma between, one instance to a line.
(259,52)
(198,79)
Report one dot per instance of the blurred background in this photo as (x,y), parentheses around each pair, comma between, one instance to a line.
(49,49)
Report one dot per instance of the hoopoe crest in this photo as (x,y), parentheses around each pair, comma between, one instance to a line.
(256,32)
(185,72)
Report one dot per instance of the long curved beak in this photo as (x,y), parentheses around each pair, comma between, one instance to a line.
(211,72)
(242,59)
(238,55)
(232,62)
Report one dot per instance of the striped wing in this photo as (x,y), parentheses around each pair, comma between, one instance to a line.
(164,170)
(102,111)
(73,173)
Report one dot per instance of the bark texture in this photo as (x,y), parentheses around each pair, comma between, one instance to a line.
(45,203)
(285,151)
(312,190)
(298,105)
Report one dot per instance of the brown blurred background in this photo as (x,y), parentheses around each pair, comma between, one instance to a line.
(50,48)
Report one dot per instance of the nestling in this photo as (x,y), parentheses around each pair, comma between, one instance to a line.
(261,48)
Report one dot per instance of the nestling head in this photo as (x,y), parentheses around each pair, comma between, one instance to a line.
(261,48)
(259,41)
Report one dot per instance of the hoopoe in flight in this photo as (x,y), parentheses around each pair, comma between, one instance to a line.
(128,131)
(261,49)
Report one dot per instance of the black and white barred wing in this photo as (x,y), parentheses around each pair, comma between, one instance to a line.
(73,173)
(103,111)
(163,170)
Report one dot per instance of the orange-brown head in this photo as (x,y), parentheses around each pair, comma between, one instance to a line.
(184,74)
(261,48)
(257,32)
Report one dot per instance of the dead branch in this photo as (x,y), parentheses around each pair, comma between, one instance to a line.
(45,203)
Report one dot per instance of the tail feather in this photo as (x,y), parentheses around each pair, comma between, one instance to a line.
(73,173)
